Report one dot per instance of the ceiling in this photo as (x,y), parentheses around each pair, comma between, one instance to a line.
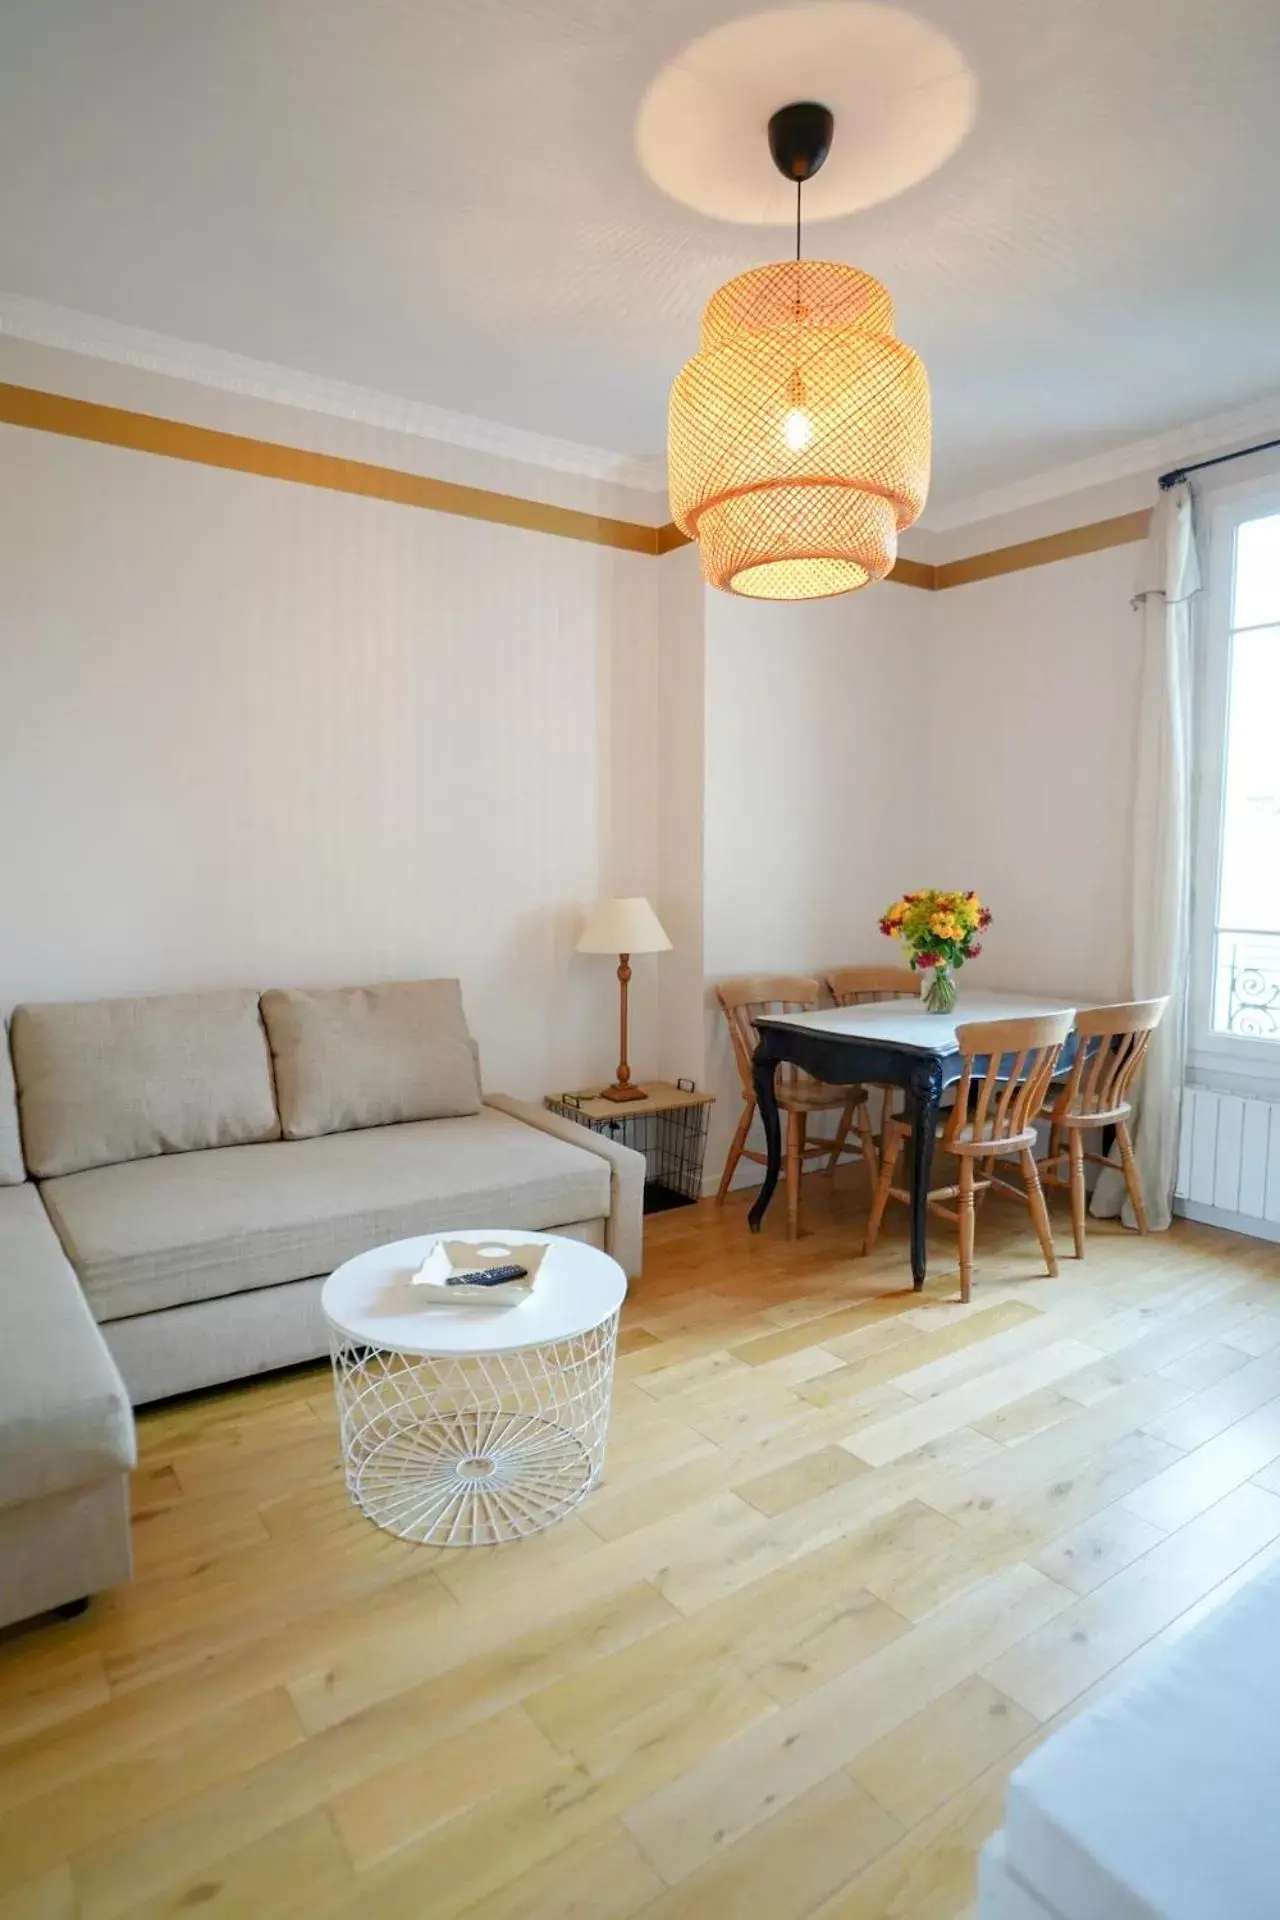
(444,199)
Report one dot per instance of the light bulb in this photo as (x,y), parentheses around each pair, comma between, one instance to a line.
(797,429)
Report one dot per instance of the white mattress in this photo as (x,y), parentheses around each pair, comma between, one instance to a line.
(1160,1803)
(1000,1896)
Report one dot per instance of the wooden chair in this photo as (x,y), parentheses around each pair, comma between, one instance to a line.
(1113,1045)
(799,1094)
(859,987)
(1008,1065)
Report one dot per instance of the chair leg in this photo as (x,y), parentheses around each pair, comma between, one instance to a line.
(795,1166)
(964,1214)
(1132,1178)
(1039,1211)
(842,1135)
(868,1143)
(734,1154)
(891,1148)
(1075,1146)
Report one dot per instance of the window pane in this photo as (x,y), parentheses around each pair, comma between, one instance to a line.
(1246,990)
(1249,897)
(1257,587)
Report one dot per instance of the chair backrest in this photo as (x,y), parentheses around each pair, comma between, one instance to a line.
(1113,1045)
(858,986)
(1008,1065)
(743,1000)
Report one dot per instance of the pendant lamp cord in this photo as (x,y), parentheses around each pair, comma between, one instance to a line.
(799,185)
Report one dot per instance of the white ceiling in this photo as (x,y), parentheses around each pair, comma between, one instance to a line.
(443,199)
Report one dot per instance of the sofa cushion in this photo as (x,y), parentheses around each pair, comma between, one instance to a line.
(104,1081)
(12,1170)
(162,1233)
(370,1056)
(65,1420)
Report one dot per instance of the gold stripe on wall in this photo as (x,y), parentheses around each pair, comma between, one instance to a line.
(912,573)
(209,447)
(206,447)
(1070,544)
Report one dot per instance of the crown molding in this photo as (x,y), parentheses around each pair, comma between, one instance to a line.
(51,326)
(1137,458)
(48,325)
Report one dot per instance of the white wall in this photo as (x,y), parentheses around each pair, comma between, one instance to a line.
(261,733)
(1029,683)
(256,732)
(810,790)
(977,737)
(680,797)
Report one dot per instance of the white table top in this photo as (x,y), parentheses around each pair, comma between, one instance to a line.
(371,1298)
(904,1023)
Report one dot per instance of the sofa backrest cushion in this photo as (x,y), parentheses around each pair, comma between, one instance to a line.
(371,1056)
(12,1170)
(104,1081)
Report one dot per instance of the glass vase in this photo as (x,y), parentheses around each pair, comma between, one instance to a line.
(938,990)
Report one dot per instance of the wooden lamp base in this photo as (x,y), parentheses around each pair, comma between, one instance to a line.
(622,1088)
(620,1092)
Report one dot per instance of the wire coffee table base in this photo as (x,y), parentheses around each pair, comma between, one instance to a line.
(470,1450)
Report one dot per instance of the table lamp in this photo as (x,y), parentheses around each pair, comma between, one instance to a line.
(623,927)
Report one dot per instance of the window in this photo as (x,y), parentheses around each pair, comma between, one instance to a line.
(1237,985)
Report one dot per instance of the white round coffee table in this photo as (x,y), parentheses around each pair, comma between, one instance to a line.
(469,1425)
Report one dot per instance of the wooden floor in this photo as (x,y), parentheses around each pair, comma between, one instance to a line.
(856,1552)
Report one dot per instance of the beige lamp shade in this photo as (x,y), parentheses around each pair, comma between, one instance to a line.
(799,439)
(623,925)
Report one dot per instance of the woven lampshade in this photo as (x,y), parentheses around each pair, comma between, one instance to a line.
(799,435)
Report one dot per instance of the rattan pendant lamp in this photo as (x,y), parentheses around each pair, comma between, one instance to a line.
(799,434)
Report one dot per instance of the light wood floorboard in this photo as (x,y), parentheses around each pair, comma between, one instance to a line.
(856,1552)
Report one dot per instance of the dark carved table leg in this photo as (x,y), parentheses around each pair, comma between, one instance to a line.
(763,1068)
(925,1095)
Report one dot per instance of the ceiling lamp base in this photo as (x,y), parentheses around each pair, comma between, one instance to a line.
(800,138)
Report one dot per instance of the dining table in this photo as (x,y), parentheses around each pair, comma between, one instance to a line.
(890,1043)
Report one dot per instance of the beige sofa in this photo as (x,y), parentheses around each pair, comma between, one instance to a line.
(185,1171)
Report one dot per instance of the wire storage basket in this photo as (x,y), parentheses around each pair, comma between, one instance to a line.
(669,1127)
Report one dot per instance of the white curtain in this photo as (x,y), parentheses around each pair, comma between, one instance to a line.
(1161,934)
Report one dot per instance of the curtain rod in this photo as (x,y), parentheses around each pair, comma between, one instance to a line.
(1171,479)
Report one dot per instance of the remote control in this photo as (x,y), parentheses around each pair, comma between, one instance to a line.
(487,1277)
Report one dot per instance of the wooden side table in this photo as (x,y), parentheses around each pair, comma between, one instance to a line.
(669,1127)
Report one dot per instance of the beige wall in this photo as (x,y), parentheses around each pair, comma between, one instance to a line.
(1029,683)
(680,813)
(268,734)
(256,732)
(812,800)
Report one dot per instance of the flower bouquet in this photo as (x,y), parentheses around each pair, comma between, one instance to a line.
(939,932)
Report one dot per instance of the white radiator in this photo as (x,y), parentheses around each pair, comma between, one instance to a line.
(1229,1156)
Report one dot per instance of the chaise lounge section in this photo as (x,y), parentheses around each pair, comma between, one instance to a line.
(66,1430)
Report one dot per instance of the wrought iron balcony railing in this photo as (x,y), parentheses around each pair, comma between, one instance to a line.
(1246,987)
